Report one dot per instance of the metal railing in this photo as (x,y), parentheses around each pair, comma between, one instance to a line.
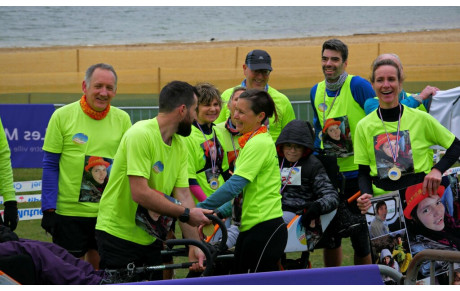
(432,256)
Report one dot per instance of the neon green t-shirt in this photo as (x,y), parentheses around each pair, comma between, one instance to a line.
(283,108)
(423,131)
(258,163)
(199,163)
(76,136)
(6,172)
(142,153)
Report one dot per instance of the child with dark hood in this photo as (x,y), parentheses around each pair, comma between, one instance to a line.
(306,187)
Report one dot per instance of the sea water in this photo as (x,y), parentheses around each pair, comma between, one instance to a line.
(30,26)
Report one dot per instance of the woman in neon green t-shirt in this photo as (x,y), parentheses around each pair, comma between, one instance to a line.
(415,132)
(207,162)
(263,233)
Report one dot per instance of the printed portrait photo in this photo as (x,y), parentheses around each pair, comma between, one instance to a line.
(387,148)
(337,138)
(95,177)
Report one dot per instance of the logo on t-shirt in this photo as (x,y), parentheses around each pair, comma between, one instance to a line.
(80,138)
(158,167)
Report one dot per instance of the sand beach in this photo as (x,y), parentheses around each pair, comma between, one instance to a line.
(429,57)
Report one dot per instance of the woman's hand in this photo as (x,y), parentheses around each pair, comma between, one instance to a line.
(196,255)
(364,202)
(432,182)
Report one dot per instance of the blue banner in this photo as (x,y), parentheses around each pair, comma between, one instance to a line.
(25,128)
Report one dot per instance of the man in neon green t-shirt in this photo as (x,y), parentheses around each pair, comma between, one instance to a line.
(150,164)
(257,69)
(81,139)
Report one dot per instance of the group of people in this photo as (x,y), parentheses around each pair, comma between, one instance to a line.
(240,155)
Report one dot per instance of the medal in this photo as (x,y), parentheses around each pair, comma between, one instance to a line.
(214,183)
(394,173)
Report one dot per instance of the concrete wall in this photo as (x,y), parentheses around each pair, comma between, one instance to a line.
(147,71)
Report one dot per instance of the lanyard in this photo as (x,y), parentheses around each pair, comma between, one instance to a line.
(289,175)
(332,105)
(395,151)
(212,149)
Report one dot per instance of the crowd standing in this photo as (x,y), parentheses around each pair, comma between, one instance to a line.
(241,156)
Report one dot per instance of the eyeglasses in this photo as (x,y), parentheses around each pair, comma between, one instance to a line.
(294,146)
(263,72)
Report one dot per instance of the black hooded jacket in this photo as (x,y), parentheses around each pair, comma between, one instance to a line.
(315,183)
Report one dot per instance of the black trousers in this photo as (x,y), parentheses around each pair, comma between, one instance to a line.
(261,248)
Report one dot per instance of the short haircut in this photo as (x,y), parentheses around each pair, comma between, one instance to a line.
(261,101)
(208,92)
(379,204)
(90,71)
(336,45)
(175,94)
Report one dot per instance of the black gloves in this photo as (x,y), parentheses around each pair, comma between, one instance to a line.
(49,221)
(311,211)
(10,214)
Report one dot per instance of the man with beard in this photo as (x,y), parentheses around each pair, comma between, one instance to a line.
(77,131)
(150,164)
(342,96)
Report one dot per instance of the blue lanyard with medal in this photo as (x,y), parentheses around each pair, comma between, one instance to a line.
(394,173)
(214,181)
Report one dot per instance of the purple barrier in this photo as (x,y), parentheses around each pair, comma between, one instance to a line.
(25,127)
(349,275)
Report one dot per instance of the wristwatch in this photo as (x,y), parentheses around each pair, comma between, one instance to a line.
(418,98)
(184,217)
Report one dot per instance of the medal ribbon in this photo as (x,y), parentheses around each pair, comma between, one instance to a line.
(289,175)
(212,151)
(332,105)
(393,153)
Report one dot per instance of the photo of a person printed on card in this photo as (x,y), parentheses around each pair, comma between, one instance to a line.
(429,225)
(393,152)
(95,178)
(336,138)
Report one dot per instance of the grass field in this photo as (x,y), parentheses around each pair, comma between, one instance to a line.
(31,229)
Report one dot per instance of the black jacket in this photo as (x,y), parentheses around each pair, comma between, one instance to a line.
(315,183)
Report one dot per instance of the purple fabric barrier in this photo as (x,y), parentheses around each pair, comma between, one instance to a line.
(349,275)
(25,127)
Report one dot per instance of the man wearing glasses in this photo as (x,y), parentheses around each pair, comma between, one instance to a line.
(257,69)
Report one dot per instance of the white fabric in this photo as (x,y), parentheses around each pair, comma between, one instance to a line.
(445,107)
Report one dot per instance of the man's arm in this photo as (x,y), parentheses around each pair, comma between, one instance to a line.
(361,90)
(154,200)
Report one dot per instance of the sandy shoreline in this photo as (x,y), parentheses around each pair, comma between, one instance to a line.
(451,35)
